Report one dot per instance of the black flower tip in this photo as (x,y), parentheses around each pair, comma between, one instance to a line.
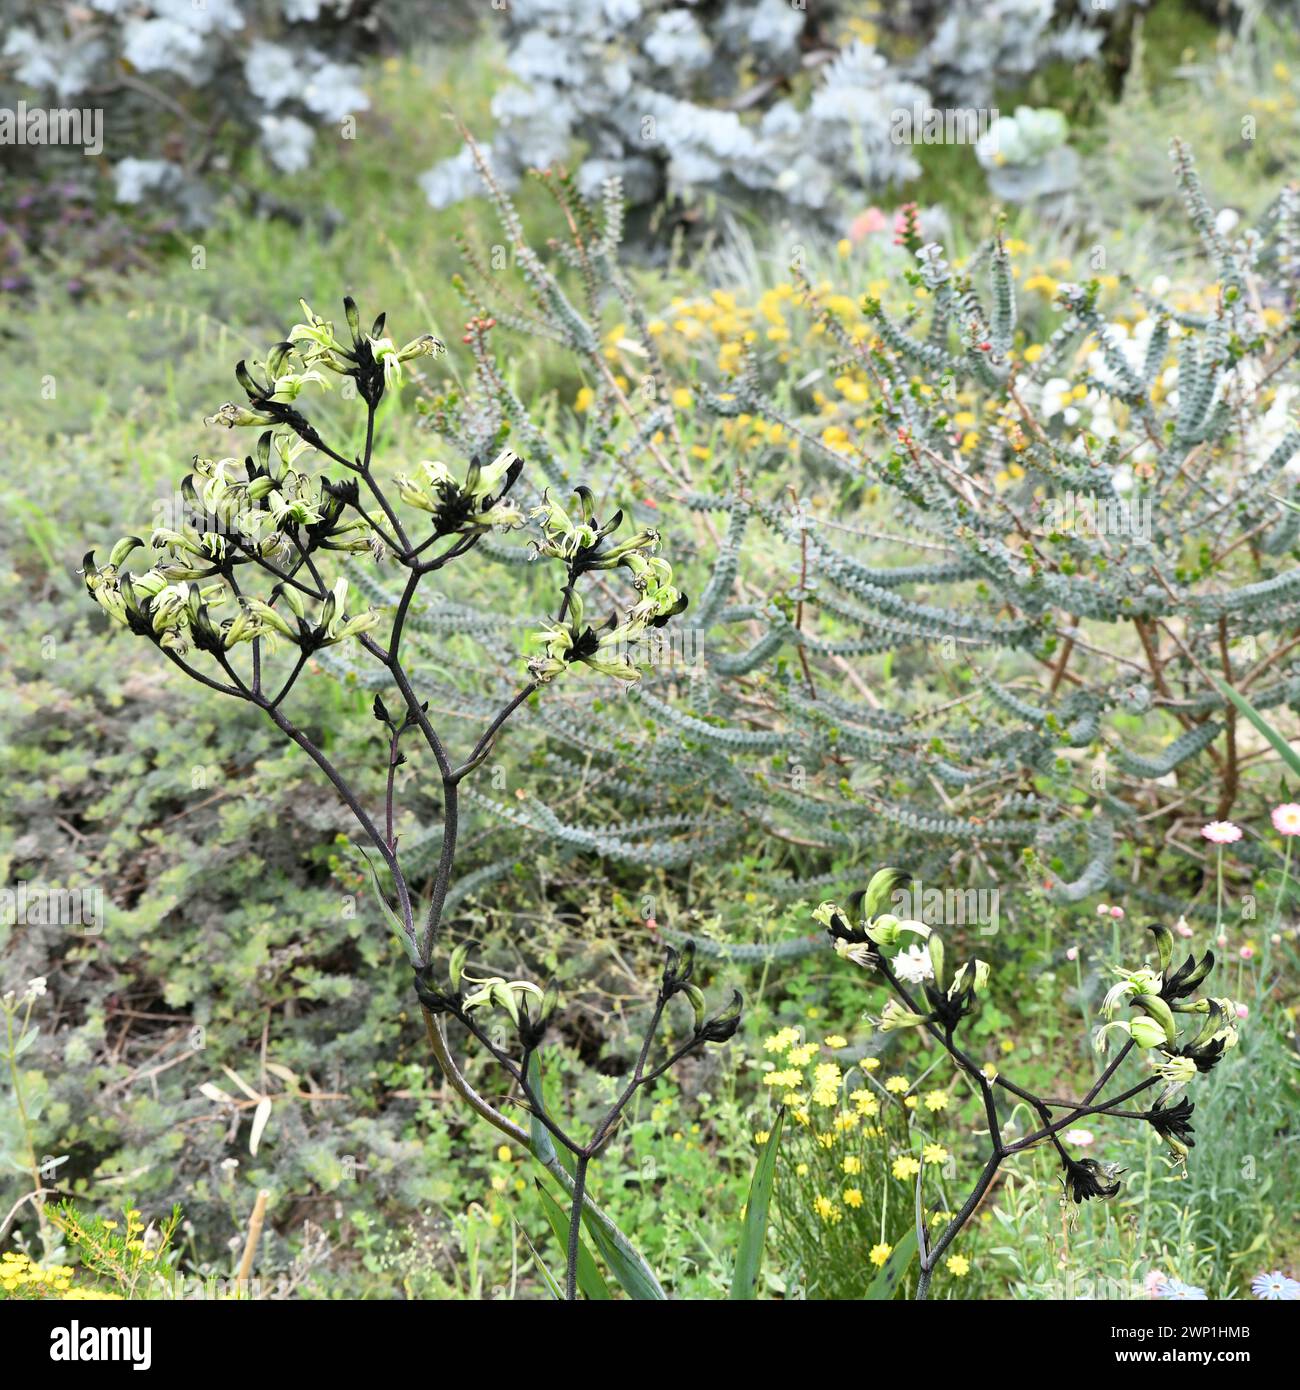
(345,491)
(678,967)
(534,1021)
(838,928)
(723,1026)
(1180,983)
(1207,1056)
(1173,1122)
(1086,1178)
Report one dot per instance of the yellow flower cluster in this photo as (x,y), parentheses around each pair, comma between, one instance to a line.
(785,324)
(18,1271)
(827,1210)
(826,1084)
(865,1103)
(20,1275)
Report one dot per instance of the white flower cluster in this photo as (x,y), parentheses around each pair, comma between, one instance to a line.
(688,103)
(284,67)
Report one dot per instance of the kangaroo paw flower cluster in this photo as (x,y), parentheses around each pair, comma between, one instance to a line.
(1161,1000)
(1164,998)
(611,648)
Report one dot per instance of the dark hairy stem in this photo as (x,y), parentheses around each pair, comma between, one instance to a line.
(582,1153)
(575,1225)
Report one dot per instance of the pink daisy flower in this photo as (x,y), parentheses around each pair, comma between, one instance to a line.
(1182,928)
(1221,832)
(865,223)
(1286,819)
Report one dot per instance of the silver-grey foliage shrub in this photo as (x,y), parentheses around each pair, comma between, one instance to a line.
(186,87)
(693,101)
(968,569)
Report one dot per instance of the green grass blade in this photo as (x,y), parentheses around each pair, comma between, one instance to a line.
(1288,754)
(744,1282)
(590,1281)
(548,1278)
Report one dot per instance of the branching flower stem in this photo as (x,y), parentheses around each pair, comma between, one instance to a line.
(930,1254)
(279,521)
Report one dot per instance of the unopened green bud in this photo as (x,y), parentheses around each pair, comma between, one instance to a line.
(1160,1013)
(456,965)
(122,549)
(1164,943)
(1146,1032)
(696,995)
(880,891)
(938,962)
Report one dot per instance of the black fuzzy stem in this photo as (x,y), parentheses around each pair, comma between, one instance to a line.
(575,1226)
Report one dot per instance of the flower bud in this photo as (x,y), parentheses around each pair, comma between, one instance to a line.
(678,966)
(722,1026)
(1161,1013)
(1147,1033)
(880,890)
(938,962)
(122,549)
(456,965)
(1164,944)
(696,995)
(895,1016)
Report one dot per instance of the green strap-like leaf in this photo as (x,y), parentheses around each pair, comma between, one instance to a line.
(625,1262)
(394,921)
(744,1282)
(1288,754)
(885,1284)
(589,1278)
(548,1278)
(543,1144)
